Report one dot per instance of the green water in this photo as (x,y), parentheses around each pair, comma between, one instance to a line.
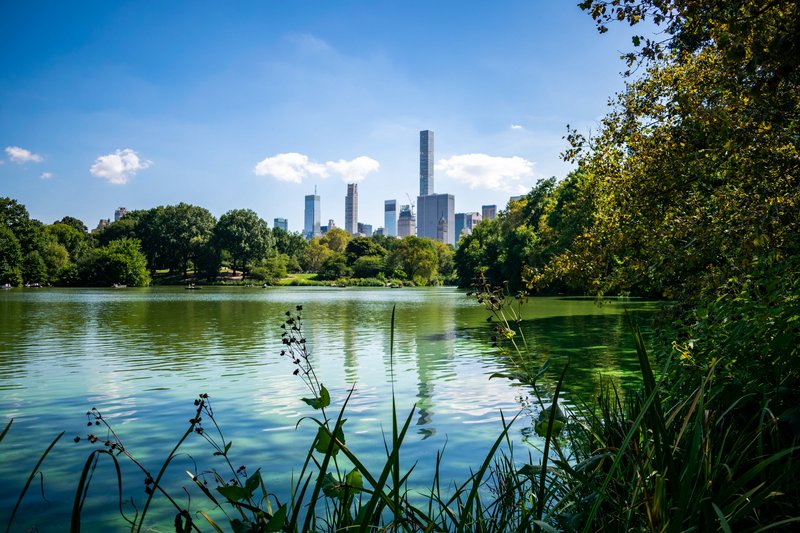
(141,356)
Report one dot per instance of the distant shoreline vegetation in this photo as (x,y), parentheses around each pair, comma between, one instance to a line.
(185,244)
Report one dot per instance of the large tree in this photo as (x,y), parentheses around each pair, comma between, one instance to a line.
(244,236)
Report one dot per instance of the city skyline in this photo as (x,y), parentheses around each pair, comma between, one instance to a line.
(252,105)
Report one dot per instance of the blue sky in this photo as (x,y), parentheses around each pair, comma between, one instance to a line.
(251,104)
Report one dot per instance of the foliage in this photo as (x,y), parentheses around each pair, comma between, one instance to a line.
(10,258)
(333,268)
(73,222)
(120,262)
(362,246)
(336,240)
(368,266)
(315,255)
(244,235)
(416,257)
(34,269)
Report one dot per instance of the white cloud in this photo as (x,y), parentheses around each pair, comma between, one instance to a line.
(119,167)
(294,167)
(290,166)
(488,172)
(516,127)
(46,175)
(355,170)
(21,155)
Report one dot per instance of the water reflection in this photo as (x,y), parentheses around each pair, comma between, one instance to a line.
(140,356)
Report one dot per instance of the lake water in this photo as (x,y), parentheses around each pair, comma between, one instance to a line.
(141,356)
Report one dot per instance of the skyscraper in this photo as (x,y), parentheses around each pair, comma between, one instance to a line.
(311,226)
(351,209)
(435,212)
(436,217)
(119,213)
(390,218)
(406,222)
(465,223)
(489,212)
(281,223)
(425,162)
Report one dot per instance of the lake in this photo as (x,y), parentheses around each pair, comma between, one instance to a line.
(141,356)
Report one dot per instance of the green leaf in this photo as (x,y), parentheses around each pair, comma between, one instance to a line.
(277,521)
(324,399)
(354,481)
(330,486)
(234,493)
(253,482)
(324,440)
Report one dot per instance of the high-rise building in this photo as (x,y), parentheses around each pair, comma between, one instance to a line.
(435,212)
(489,212)
(365,229)
(425,162)
(311,226)
(281,223)
(390,218)
(465,222)
(436,217)
(351,209)
(119,213)
(406,222)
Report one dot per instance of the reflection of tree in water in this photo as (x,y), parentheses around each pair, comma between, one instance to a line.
(599,348)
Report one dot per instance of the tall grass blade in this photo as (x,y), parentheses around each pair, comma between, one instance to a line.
(546,453)
(8,426)
(30,477)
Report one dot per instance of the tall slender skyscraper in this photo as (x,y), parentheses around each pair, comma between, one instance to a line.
(311,227)
(425,162)
(390,218)
(351,209)
(435,212)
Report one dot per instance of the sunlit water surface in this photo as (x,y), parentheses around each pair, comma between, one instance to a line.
(141,356)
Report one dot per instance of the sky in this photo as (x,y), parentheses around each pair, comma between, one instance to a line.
(254,104)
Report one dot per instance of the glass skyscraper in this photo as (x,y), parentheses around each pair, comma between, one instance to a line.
(390,218)
(311,226)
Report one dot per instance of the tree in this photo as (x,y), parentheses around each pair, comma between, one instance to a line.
(291,244)
(336,239)
(417,257)
(125,228)
(315,255)
(120,262)
(34,269)
(73,222)
(10,258)
(361,247)
(184,226)
(73,241)
(244,235)
(368,266)
(335,267)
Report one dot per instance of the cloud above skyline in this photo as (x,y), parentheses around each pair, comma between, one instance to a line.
(21,155)
(516,127)
(46,175)
(294,167)
(118,168)
(509,174)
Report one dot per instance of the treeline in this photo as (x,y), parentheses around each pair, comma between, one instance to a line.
(185,242)
(688,192)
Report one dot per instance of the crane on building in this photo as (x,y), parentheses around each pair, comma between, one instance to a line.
(411,203)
